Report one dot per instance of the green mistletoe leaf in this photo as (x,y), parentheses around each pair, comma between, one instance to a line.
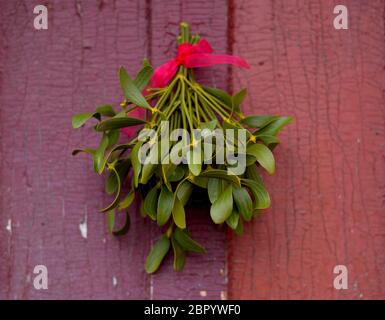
(178,213)
(110,220)
(111,183)
(238,98)
(85,150)
(117,123)
(157,254)
(258,121)
(268,140)
(179,256)
(165,204)
(222,208)
(176,175)
(233,220)
(106,110)
(261,195)
(199,181)
(211,125)
(144,75)
(150,203)
(99,162)
(80,119)
(221,174)
(124,229)
(252,173)
(263,155)
(185,241)
(239,229)
(131,91)
(243,202)
(113,137)
(114,203)
(273,128)
(220,94)
(184,192)
(195,161)
(127,201)
(214,189)
(136,165)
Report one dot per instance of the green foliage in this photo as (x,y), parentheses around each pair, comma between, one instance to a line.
(164,190)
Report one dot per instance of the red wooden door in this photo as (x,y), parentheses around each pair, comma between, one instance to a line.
(328,205)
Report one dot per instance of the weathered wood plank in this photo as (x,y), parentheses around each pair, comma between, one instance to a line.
(204,275)
(328,191)
(46,194)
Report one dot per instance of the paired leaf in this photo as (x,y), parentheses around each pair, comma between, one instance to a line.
(222,208)
(80,119)
(157,254)
(131,91)
(185,241)
(273,128)
(221,174)
(261,195)
(111,183)
(258,121)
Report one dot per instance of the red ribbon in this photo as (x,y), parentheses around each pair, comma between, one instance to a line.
(192,56)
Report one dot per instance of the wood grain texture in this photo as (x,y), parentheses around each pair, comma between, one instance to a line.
(205,274)
(328,192)
(46,194)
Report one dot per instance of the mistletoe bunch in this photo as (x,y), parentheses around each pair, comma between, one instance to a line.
(162,170)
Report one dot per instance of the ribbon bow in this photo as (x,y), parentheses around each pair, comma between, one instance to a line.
(192,56)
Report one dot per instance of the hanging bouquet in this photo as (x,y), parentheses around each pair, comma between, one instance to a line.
(178,136)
